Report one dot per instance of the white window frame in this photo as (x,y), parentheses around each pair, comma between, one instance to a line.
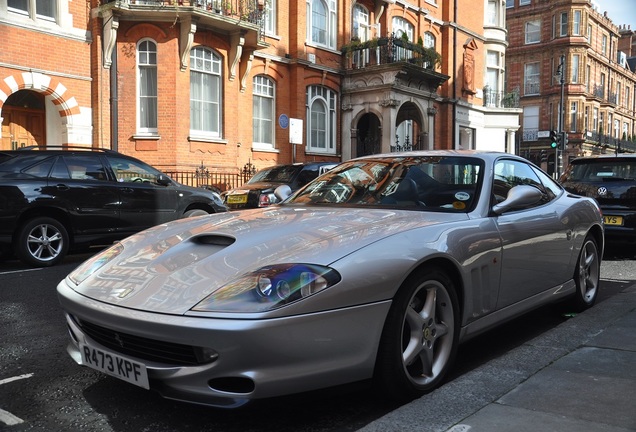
(147,122)
(321,125)
(493,13)
(524,2)
(576,23)
(263,112)
(574,68)
(269,20)
(401,26)
(360,26)
(510,4)
(532,32)
(573,115)
(330,24)
(32,9)
(532,78)
(563,24)
(429,40)
(206,65)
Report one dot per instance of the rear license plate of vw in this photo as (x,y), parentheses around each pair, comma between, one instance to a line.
(115,365)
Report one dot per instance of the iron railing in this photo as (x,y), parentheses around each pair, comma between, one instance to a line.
(217,181)
(386,50)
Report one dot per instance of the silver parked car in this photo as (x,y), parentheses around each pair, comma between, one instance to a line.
(377,269)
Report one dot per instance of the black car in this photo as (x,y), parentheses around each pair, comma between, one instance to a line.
(611,180)
(56,200)
(259,190)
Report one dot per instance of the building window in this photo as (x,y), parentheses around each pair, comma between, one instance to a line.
(321,120)
(604,45)
(492,13)
(429,40)
(494,71)
(575,69)
(576,23)
(321,22)
(588,73)
(39,9)
(530,123)
(618,93)
(573,113)
(147,88)
(401,26)
(361,27)
(205,92)
(533,32)
(269,18)
(263,110)
(563,24)
(627,100)
(595,120)
(524,2)
(510,4)
(586,118)
(589,33)
(531,79)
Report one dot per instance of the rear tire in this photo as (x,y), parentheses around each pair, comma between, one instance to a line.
(420,336)
(42,242)
(586,276)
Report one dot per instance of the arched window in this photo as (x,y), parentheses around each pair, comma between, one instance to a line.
(263,112)
(147,87)
(321,119)
(205,92)
(321,22)
(429,40)
(400,26)
(361,22)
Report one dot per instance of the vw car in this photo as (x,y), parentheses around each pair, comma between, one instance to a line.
(54,200)
(611,181)
(259,190)
(378,269)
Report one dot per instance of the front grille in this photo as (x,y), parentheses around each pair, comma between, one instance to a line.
(143,348)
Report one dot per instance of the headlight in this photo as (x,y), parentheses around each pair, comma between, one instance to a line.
(269,288)
(90,266)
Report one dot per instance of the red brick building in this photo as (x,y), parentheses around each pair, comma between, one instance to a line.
(224,82)
(593,83)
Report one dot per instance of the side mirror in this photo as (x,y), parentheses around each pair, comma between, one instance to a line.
(519,196)
(163,180)
(282,192)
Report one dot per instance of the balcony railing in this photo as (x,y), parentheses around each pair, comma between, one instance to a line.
(246,10)
(386,50)
(531,89)
(499,99)
(607,142)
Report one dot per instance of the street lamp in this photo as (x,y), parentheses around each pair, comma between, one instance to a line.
(558,151)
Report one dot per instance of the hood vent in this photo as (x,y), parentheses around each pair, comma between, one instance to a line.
(214,240)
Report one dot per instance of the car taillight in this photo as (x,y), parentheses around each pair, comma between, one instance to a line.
(263,200)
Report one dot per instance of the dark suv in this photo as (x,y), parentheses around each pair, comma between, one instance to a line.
(259,190)
(611,180)
(55,200)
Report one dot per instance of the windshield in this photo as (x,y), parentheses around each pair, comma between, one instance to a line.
(440,183)
(602,169)
(276,174)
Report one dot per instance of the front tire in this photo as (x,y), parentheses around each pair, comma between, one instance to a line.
(195,213)
(420,337)
(42,242)
(587,276)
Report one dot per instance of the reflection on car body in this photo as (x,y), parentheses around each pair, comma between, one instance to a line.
(377,269)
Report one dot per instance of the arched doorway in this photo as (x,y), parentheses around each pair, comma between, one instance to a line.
(409,133)
(369,136)
(23,120)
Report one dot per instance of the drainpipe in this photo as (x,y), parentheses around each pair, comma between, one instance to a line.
(454,105)
(114,112)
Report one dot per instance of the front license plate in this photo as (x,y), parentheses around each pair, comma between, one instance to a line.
(236,199)
(115,365)
(613,220)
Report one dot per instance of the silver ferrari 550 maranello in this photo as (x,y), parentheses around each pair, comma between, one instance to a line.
(377,269)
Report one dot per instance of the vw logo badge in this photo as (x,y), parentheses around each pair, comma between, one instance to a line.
(602,191)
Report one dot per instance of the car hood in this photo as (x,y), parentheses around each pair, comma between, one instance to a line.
(171,267)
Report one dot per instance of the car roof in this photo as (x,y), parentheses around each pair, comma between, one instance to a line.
(604,157)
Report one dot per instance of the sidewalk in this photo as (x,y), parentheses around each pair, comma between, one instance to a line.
(580,376)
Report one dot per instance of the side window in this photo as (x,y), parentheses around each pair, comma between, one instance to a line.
(40,170)
(130,171)
(510,173)
(85,167)
(552,188)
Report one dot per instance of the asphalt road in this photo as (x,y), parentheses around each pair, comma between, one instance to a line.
(42,389)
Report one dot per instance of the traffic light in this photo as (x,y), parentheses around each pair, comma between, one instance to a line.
(544,156)
(555,139)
